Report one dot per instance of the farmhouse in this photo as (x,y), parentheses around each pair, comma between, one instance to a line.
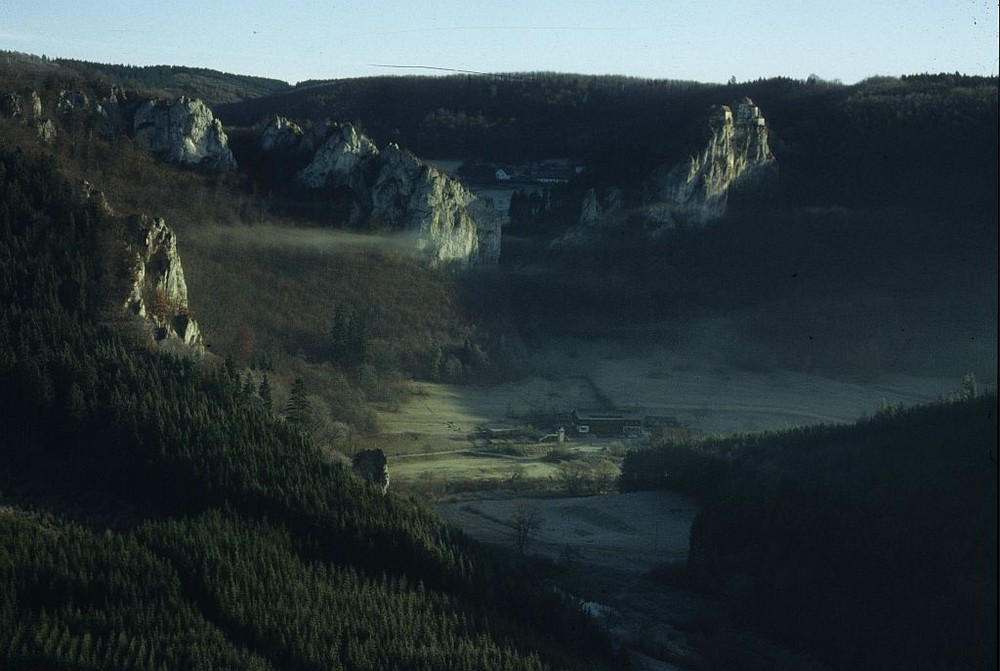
(606,423)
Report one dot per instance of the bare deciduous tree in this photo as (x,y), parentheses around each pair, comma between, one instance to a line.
(527,521)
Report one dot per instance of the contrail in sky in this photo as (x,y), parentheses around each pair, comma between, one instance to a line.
(427,67)
(507,28)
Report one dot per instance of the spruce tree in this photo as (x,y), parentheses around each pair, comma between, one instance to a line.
(265,392)
(297,407)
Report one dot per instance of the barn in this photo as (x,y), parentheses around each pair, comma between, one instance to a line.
(606,423)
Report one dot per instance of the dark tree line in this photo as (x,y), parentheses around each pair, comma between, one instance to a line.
(921,139)
(351,344)
(863,546)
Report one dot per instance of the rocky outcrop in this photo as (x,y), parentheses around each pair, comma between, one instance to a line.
(590,210)
(75,102)
(410,195)
(391,190)
(11,105)
(184,131)
(142,287)
(594,210)
(281,135)
(372,465)
(155,291)
(26,108)
(597,217)
(103,116)
(736,155)
(46,131)
(340,160)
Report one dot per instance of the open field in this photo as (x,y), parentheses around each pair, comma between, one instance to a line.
(438,474)
(605,548)
(699,394)
(629,532)
(711,397)
(447,411)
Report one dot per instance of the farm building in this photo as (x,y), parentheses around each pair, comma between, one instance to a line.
(607,423)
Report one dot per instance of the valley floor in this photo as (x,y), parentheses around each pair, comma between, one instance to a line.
(698,393)
(605,547)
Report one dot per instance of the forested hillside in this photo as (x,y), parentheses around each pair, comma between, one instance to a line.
(865,546)
(212,86)
(157,514)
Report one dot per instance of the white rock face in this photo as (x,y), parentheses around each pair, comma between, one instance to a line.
(338,160)
(736,155)
(156,289)
(393,190)
(26,108)
(186,132)
(35,104)
(281,135)
(46,131)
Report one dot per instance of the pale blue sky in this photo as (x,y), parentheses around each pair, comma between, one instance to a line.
(681,39)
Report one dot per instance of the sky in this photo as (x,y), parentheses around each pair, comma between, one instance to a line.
(700,40)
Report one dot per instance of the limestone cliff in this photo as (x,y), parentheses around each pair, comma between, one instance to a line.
(147,276)
(411,195)
(107,116)
(184,131)
(340,159)
(281,135)
(392,190)
(736,155)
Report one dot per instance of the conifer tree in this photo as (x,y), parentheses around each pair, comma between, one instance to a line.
(297,407)
(265,392)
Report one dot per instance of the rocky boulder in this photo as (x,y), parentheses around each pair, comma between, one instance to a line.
(184,131)
(373,466)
